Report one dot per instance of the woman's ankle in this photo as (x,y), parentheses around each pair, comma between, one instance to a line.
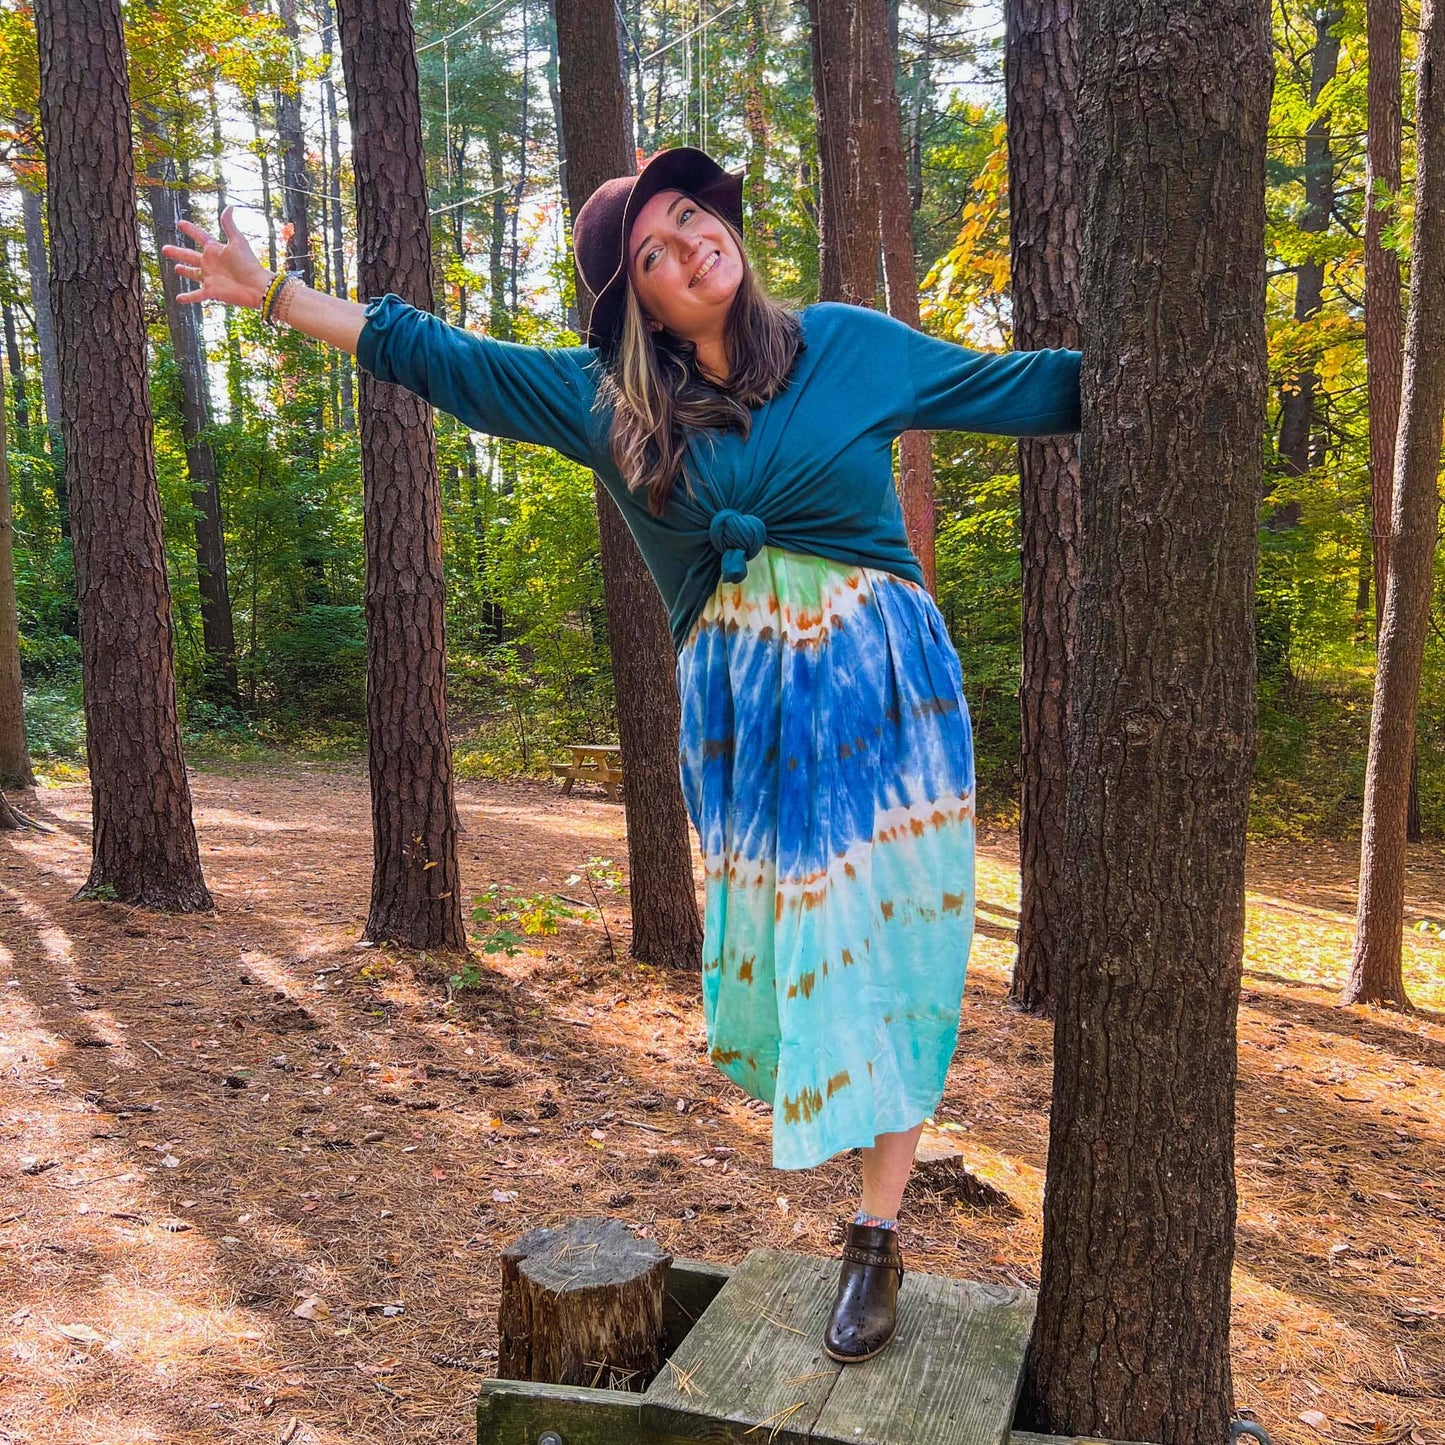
(874,1220)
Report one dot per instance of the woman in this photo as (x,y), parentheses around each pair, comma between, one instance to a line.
(825,748)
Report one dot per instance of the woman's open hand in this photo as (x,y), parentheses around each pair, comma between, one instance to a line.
(227,270)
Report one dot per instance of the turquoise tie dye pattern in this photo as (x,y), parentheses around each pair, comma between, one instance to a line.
(827,764)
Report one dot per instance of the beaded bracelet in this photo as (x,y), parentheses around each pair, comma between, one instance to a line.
(281,306)
(268,300)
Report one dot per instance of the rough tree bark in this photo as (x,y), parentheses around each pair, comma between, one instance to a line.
(1414,522)
(415,890)
(1131,1340)
(666,928)
(1297,406)
(1041,67)
(900,269)
(167,206)
(848,110)
(14,755)
(1384,324)
(144,845)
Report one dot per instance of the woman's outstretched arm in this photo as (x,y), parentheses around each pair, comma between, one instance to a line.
(228,271)
(538,394)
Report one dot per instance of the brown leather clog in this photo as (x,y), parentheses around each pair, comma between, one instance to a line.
(865,1313)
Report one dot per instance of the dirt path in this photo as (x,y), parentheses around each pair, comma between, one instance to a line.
(206,1123)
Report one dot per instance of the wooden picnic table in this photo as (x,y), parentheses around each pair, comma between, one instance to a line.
(593,763)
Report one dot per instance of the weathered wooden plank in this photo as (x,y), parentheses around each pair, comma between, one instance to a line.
(1027,1437)
(951,1375)
(518,1412)
(690,1287)
(754,1359)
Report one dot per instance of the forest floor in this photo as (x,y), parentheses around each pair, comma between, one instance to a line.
(254,1178)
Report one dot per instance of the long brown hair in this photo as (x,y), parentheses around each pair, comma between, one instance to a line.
(660,397)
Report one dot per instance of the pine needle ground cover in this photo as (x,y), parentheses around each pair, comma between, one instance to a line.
(254,1179)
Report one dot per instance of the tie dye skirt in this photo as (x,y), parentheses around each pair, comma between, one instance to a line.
(827,765)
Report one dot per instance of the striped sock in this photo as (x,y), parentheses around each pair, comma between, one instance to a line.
(863,1217)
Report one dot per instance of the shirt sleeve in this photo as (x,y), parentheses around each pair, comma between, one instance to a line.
(1011,393)
(536,394)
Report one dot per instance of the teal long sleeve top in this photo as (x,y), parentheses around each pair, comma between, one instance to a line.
(815,475)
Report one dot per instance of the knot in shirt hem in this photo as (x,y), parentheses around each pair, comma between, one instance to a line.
(739,536)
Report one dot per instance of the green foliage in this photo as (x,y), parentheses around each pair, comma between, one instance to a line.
(55,723)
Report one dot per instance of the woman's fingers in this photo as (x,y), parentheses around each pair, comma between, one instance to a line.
(181,255)
(196,233)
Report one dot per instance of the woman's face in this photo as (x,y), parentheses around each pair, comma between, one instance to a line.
(684,265)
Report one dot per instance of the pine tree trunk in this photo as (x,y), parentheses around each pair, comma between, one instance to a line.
(338,241)
(167,206)
(1131,1340)
(755,121)
(264,159)
(14,755)
(1297,406)
(1041,66)
(666,928)
(1375,975)
(295,174)
(900,270)
(144,840)
(235,381)
(31,206)
(1384,324)
(17,367)
(849,118)
(415,892)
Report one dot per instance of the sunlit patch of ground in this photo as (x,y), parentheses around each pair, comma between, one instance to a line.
(210,1124)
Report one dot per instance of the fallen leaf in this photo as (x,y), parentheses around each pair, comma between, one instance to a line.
(80,1334)
(1316,1420)
(313,1307)
(503,1196)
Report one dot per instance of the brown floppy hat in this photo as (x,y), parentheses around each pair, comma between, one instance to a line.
(600,232)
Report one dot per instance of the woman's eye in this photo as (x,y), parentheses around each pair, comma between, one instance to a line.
(684,215)
(649,259)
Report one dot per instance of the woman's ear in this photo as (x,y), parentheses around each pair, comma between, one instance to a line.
(653,325)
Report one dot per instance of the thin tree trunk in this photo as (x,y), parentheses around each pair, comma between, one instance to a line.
(338,239)
(17,368)
(144,841)
(665,924)
(32,207)
(167,206)
(264,158)
(415,891)
(14,755)
(522,153)
(235,380)
(1375,968)
(1131,1339)
(1041,64)
(296,175)
(848,119)
(755,119)
(1297,407)
(900,270)
(554,94)
(1384,324)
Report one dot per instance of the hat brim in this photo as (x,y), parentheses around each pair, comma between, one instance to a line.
(684,168)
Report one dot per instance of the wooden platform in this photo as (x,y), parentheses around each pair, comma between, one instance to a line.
(745,1366)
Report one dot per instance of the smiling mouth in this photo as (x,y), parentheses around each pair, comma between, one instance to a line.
(703,270)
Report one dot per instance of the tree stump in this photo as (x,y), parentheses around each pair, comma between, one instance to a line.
(582,1305)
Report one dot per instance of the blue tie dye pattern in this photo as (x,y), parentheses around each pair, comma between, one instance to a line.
(827,765)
